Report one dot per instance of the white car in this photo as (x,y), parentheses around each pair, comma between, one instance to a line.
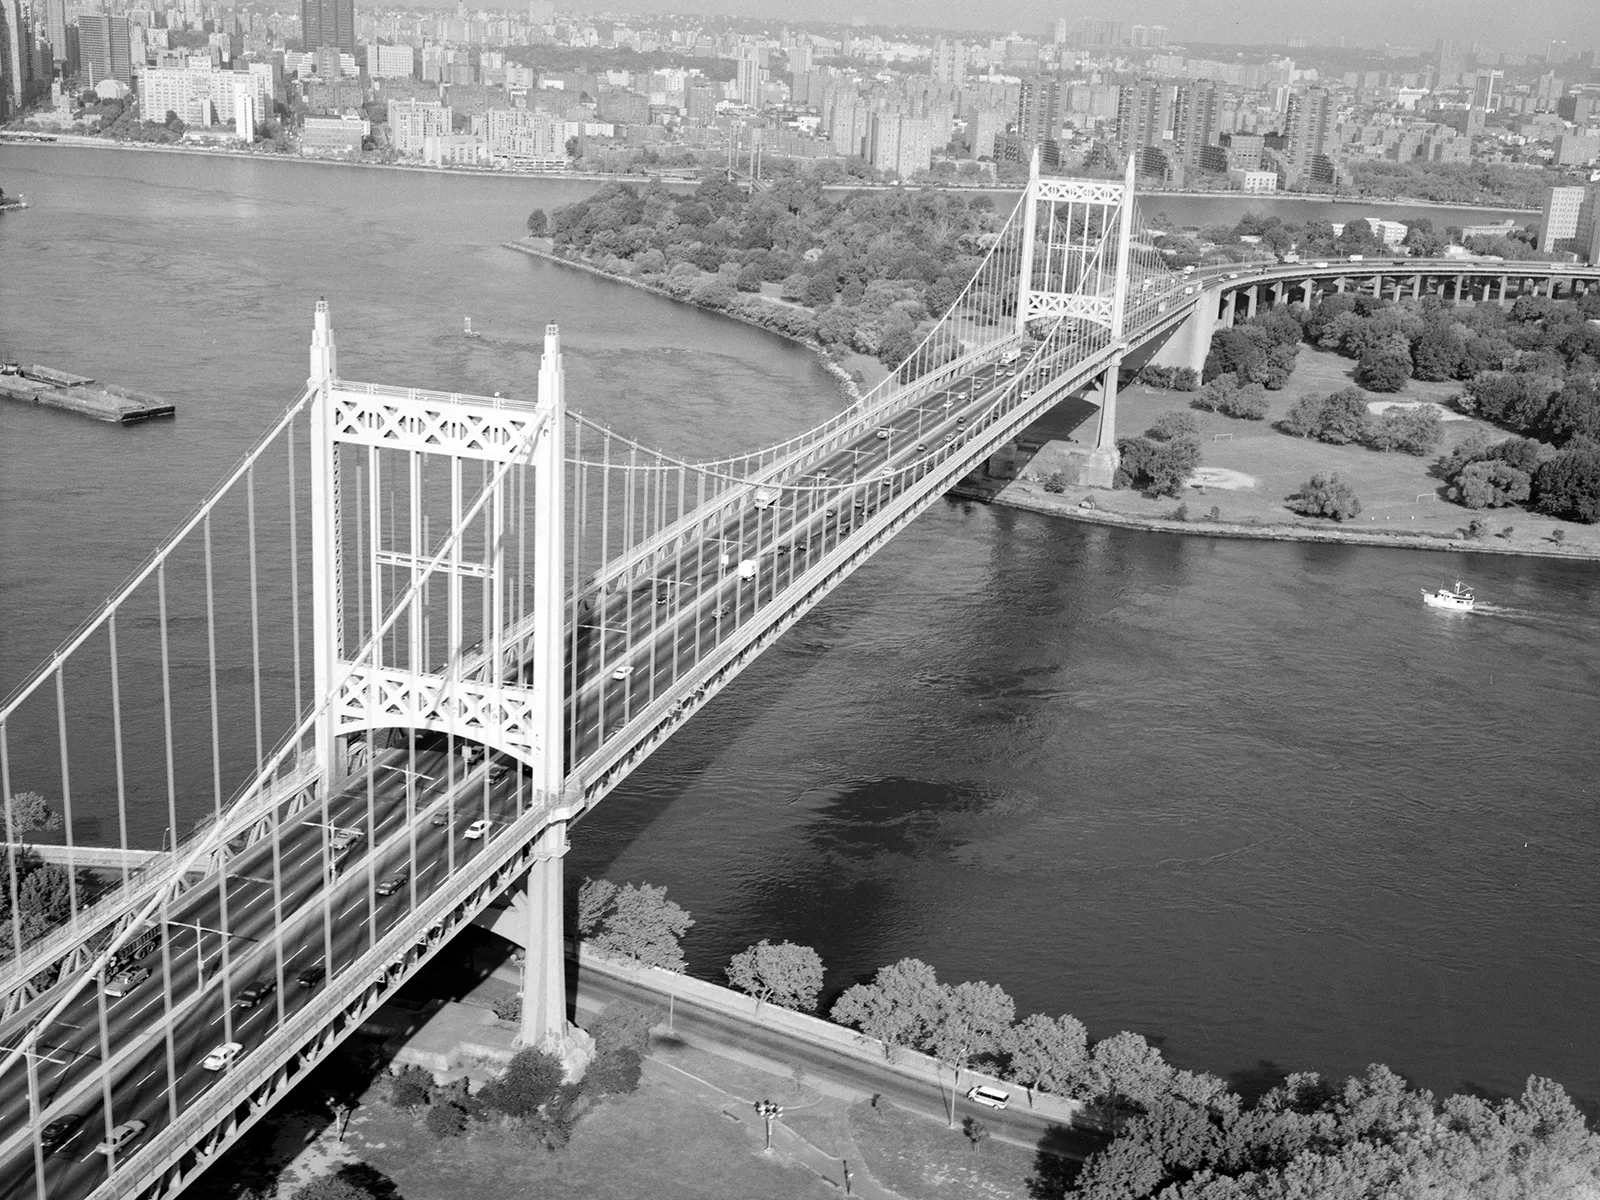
(988,1097)
(883,434)
(1319,264)
(623,671)
(477,830)
(120,1137)
(223,1057)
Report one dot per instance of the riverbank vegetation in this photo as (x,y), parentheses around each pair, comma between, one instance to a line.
(1186,1135)
(867,273)
(1532,368)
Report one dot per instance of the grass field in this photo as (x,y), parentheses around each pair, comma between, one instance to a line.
(918,1157)
(1396,491)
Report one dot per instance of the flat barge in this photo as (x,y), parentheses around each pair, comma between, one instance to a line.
(76,393)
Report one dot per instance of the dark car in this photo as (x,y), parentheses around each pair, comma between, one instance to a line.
(441,818)
(394,883)
(256,993)
(311,976)
(59,1132)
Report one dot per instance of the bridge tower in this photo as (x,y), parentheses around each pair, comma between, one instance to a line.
(478,658)
(1076,240)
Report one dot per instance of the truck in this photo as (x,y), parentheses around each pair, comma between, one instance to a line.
(145,941)
(765,497)
(747,568)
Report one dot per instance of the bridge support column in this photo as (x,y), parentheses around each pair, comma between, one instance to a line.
(1101,468)
(544,993)
(1251,299)
(1230,302)
(1458,289)
(327,624)
(1277,293)
(1338,285)
(1416,287)
(1311,293)
(1505,284)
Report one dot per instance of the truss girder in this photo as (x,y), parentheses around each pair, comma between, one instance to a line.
(463,426)
(503,716)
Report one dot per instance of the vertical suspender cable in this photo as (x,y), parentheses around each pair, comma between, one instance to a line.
(116,742)
(66,795)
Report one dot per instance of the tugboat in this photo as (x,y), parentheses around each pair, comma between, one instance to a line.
(1456,599)
(468,331)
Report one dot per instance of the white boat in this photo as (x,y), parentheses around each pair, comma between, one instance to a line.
(469,331)
(1456,599)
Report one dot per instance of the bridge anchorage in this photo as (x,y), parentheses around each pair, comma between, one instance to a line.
(367,686)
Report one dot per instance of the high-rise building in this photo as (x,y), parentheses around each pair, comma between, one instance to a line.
(16,66)
(246,108)
(700,102)
(103,46)
(948,66)
(390,62)
(1586,235)
(751,78)
(328,23)
(1489,91)
(1560,220)
(1039,109)
(1308,123)
(1195,111)
(411,122)
(1141,115)
(55,26)
(1101,34)
(1058,32)
(800,57)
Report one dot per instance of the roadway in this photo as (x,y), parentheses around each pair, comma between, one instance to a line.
(208,975)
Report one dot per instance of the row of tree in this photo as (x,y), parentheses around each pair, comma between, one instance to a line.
(1180,1134)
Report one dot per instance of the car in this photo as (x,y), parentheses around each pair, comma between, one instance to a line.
(989,1097)
(948,403)
(822,472)
(223,1057)
(1233,274)
(963,395)
(1189,291)
(623,671)
(1189,270)
(394,883)
(1319,264)
(500,770)
(343,839)
(949,437)
(477,829)
(311,976)
(721,612)
(1358,258)
(123,983)
(256,993)
(783,549)
(921,446)
(883,434)
(59,1132)
(1026,392)
(440,818)
(961,420)
(663,594)
(120,1137)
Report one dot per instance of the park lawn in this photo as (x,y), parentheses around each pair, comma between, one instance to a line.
(650,1144)
(917,1157)
(1396,491)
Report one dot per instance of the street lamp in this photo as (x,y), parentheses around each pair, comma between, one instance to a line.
(769,1113)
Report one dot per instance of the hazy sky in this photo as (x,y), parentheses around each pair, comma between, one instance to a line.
(1497,24)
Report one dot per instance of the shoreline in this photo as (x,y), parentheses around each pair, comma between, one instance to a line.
(1079,505)
(78,141)
(1021,494)
(847,386)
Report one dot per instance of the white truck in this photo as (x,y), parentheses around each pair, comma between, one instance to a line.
(765,497)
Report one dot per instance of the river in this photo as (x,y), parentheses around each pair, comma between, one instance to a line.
(1249,799)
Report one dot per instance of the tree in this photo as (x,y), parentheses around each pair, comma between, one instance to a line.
(30,811)
(1384,369)
(969,1020)
(1493,484)
(896,1008)
(787,975)
(1048,1053)
(538,223)
(634,923)
(1568,485)
(1126,1067)
(1226,395)
(1437,353)
(411,1088)
(531,1079)
(1338,419)
(1411,428)
(975,1131)
(1326,496)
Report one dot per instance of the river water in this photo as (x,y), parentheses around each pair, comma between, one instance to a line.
(1249,799)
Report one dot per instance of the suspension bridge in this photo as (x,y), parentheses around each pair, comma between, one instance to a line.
(368,685)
